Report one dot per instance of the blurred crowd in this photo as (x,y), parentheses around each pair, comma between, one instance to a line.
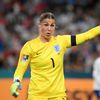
(18,24)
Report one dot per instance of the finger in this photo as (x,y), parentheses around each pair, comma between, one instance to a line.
(15,94)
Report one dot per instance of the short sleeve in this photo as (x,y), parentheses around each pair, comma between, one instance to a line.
(65,40)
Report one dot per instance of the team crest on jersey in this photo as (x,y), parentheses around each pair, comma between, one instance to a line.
(25,58)
(57,48)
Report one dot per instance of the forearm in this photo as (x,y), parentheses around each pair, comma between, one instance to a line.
(20,70)
(81,38)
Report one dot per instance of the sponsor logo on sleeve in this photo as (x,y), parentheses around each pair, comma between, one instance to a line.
(25,58)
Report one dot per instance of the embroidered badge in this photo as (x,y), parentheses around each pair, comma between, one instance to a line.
(57,48)
(25,58)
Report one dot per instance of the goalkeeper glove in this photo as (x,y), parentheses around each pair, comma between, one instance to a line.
(15,87)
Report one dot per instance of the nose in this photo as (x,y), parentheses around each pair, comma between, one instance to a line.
(49,27)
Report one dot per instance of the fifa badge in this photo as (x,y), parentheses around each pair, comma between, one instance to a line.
(25,58)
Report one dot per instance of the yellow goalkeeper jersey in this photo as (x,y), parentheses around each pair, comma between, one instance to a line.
(46,63)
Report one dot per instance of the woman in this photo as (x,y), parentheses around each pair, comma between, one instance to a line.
(44,55)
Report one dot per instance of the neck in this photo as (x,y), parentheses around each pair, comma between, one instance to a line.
(43,39)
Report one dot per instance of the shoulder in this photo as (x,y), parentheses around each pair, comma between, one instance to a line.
(62,36)
(32,41)
(29,43)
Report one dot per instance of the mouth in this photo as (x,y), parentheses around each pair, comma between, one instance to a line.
(48,34)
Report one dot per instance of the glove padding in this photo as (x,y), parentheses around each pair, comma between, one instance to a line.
(14,89)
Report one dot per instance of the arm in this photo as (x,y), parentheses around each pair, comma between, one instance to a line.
(69,40)
(23,62)
(80,38)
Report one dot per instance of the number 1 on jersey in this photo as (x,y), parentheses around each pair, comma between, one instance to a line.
(53,62)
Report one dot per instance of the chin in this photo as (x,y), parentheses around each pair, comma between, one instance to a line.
(48,37)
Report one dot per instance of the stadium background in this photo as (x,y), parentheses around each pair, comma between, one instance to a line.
(18,19)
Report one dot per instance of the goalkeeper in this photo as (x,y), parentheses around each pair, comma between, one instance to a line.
(44,55)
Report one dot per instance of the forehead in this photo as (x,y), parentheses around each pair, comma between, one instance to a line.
(49,21)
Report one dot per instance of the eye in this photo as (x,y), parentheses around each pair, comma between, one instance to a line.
(52,25)
(45,24)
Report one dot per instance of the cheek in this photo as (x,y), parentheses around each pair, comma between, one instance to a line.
(53,30)
(43,30)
